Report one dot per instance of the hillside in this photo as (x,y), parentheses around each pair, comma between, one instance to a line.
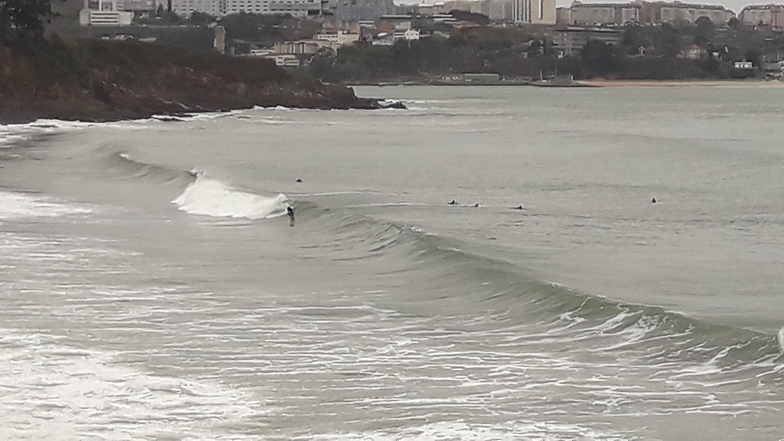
(93,80)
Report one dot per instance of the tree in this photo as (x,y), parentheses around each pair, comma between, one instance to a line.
(201,18)
(22,21)
(733,23)
(668,41)
(703,31)
(599,57)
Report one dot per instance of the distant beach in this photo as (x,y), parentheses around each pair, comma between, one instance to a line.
(679,83)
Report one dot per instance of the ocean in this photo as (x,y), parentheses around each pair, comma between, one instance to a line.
(492,263)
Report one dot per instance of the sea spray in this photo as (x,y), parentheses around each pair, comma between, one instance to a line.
(781,338)
(211,197)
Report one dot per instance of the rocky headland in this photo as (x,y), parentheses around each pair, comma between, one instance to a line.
(95,80)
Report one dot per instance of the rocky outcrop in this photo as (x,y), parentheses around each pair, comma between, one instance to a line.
(109,81)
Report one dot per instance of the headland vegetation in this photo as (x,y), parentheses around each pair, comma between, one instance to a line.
(47,76)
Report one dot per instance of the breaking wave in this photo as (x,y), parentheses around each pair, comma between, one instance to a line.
(451,278)
(211,197)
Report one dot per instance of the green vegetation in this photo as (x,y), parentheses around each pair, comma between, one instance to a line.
(96,80)
(508,51)
(652,52)
(22,21)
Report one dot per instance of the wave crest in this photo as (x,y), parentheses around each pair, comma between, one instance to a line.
(211,197)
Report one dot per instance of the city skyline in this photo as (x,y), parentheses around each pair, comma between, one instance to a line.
(735,5)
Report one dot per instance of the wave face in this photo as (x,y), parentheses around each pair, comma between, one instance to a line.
(211,197)
(448,279)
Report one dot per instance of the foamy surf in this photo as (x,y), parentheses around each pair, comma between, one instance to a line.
(211,197)
(18,206)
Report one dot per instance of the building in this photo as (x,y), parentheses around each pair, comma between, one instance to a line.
(762,15)
(390,23)
(774,69)
(104,13)
(219,39)
(570,41)
(521,11)
(534,11)
(647,13)
(563,15)
(188,7)
(140,6)
(543,12)
(678,12)
(346,10)
(601,14)
(498,10)
(296,8)
(339,38)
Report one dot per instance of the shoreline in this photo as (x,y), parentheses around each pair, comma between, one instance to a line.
(89,111)
(554,84)
(680,83)
(583,83)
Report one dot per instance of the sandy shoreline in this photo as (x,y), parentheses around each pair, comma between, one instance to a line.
(680,83)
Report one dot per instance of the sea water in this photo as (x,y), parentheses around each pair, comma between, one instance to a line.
(151,286)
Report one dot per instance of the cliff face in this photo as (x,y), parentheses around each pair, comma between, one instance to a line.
(112,80)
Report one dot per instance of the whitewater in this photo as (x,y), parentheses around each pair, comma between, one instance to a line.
(610,269)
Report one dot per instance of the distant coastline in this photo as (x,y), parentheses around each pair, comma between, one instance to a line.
(584,83)
(501,83)
(681,83)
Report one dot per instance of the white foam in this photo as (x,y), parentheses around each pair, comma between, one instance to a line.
(780,338)
(19,206)
(56,392)
(14,133)
(211,197)
(515,430)
(278,108)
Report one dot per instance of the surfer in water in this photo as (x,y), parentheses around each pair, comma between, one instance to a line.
(290,213)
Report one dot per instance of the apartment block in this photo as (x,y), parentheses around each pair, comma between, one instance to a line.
(762,15)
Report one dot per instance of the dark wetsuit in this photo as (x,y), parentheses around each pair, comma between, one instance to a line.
(290,212)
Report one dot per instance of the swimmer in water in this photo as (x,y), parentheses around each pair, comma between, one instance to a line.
(290,213)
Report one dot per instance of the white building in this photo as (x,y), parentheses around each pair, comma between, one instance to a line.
(104,13)
(340,38)
(765,15)
(534,11)
(296,8)
(598,14)
(689,13)
(187,7)
(137,5)
(498,9)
